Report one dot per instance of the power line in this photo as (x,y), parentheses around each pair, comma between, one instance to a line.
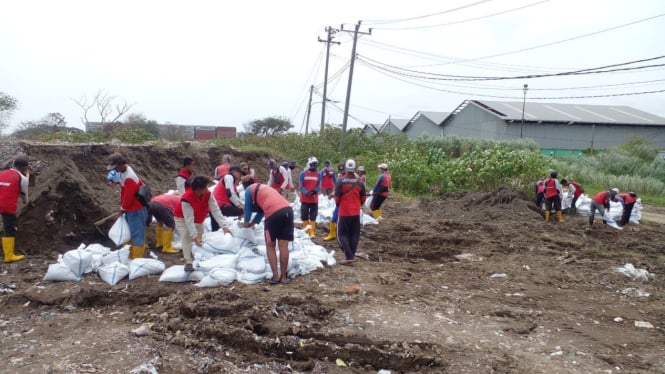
(566,40)
(452,77)
(392,75)
(376,22)
(317,62)
(462,21)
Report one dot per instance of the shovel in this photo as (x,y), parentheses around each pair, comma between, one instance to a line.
(105,219)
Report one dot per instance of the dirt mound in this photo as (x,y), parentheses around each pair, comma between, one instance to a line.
(71,192)
(471,282)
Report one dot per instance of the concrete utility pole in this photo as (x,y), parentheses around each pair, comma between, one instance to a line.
(348,87)
(331,32)
(309,108)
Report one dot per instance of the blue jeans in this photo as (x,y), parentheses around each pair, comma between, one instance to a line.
(136,221)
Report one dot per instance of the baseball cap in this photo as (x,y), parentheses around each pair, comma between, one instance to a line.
(361,168)
(615,190)
(383,166)
(350,166)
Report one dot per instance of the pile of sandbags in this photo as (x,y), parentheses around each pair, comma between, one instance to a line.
(241,256)
(110,266)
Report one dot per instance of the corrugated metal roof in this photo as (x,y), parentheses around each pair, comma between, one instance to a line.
(437,117)
(551,112)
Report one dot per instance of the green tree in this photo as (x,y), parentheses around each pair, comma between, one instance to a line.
(50,124)
(139,120)
(8,105)
(268,126)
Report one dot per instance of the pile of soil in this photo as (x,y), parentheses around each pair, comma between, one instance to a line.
(471,282)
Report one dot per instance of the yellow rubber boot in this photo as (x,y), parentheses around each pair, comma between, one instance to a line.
(312,230)
(159,234)
(136,251)
(547,216)
(304,225)
(333,232)
(167,239)
(8,249)
(376,214)
(559,216)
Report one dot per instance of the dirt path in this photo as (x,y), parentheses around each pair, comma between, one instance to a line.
(655,215)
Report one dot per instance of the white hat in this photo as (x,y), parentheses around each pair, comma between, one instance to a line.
(383,166)
(350,166)
(615,190)
(311,160)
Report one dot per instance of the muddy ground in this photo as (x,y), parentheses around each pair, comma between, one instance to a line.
(427,298)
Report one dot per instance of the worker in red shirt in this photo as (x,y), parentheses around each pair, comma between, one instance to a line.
(135,213)
(249,171)
(576,190)
(184,174)
(268,202)
(539,189)
(195,204)
(327,179)
(361,175)
(553,196)
(279,177)
(13,185)
(223,168)
(601,202)
(309,181)
(162,208)
(380,190)
(349,197)
(226,195)
(627,200)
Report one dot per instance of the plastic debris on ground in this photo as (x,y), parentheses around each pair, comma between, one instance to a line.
(630,271)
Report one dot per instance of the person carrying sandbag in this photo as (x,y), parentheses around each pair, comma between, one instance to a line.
(380,190)
(135,212)
(162,208)
(195,204)
(263,200)
(13,185)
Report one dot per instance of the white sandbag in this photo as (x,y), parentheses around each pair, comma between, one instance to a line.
(120,255)
(218,277)
(251,263)
(59,272)
(177,274)
(140,267)
(113,273)
(95,263)
(331,261)
(77,260)
(243,233)
(629,270)
(368,201)
(248,277)
(119,232)
(225,261)
(97,248)
(219,242)
(202,254)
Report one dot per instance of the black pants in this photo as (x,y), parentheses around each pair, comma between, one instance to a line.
(348,235)
(573,207)
(553,201)
(625,217)
(309,211)
(9,224)
(227,211)
(539,199)
(377,201)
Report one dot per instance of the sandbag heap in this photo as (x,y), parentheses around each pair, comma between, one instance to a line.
(583,205)
(111,266)
(241,256)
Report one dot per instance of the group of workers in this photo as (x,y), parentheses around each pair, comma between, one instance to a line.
(187,209)
(550,191)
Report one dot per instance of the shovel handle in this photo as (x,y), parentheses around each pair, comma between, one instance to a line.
(110,217)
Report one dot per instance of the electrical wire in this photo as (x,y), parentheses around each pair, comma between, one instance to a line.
(437,76)
(381,22)
(303,99)
(388,74)
(461,21)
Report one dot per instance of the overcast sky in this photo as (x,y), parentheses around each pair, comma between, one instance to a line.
(227,63)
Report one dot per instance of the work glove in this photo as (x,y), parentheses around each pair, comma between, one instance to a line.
(312,193)
(113,176)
